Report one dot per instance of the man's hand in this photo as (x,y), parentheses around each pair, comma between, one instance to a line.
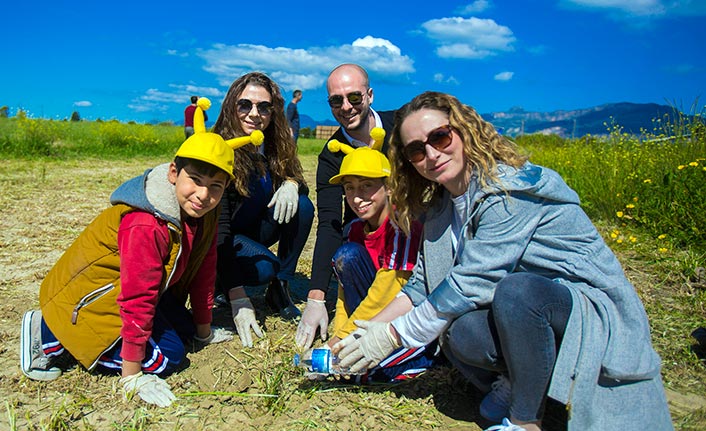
(367,346)
(285,201)
(244,319)
(314,316)
(150,388)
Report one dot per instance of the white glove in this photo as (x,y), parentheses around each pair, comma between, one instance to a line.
(244,319)
(150,388)
(362,350)
(285,201)
(314,316)
(218,334)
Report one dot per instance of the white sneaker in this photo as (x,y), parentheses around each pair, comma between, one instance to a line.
(506,426)
(496,405)
(33,362)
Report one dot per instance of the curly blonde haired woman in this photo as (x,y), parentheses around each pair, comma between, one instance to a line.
(513,278)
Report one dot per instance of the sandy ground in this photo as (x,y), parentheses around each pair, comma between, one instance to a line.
(45,206)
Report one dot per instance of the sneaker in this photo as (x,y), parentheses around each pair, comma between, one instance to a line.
(33,362)
(496,405)
(506,425)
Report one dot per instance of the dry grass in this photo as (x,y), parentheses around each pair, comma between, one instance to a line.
(46,205)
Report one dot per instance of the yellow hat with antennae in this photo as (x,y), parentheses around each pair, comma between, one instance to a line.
(214,150)
(363,162)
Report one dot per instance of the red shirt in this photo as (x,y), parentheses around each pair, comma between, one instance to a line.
(189,116)
(143,243)
(388,246)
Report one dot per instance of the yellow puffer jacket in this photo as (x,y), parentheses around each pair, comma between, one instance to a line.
(78,297)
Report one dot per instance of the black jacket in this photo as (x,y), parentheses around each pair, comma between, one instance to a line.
(329,231)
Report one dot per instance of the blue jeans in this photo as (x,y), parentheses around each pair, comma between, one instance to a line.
(355,271)
(172,328)
(520,334)
(254,264)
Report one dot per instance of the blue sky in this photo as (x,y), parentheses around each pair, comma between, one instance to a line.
(142,60)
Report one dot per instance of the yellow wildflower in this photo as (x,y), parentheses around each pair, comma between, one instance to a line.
(619,214)
(680,167)
(647,180)
(613,235)
(662,250)
(663,236)
(633,239)
(629,206)
(620,241)
(693,164)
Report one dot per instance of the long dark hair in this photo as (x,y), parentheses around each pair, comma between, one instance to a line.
(280,148)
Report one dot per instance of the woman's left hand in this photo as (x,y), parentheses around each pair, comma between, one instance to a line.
(285,201)
(367,346)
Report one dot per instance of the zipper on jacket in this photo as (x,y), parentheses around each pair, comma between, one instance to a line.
(88,299)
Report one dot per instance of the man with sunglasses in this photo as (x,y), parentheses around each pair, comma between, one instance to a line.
(350,98)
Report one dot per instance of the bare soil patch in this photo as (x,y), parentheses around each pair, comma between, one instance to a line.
(46,205)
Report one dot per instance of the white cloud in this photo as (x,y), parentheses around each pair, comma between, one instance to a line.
(632,7)
(441,78)
(158,100)
(373,42)
(305,68)
(504,76)
(291,68)
(475,7)
(469,38)
(83,104)
(175,53)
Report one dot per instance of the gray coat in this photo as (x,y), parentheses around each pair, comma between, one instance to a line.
(607,372)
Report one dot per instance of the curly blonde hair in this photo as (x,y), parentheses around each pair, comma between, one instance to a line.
(483,149)
(280,148)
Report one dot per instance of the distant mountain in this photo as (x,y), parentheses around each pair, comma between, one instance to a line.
(307,121)
(630,116)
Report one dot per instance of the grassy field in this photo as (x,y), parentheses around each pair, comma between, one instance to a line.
(56,177)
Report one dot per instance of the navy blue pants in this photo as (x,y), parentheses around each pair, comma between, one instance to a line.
(355,271)
(519,335)
(256,264)
(173,327)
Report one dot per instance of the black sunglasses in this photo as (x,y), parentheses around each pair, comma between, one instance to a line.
(245,106)
(354,98)
(438,138)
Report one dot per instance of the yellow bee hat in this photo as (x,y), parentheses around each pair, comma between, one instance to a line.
(363,162)
(211,147)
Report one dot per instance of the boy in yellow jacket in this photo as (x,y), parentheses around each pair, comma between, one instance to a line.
(116,298)
(376,261)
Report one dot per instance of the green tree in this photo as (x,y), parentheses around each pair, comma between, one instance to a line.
(75,116)
(3,111)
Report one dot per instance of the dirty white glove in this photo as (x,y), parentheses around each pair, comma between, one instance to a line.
(314,316)
(362,350)
(150,388)
(285,201)
(244,319)
(218,334)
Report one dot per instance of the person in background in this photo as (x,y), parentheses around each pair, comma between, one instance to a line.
(189,117)
(513,278)
(376,261)
(350,98)
(293,114)
(116,299)
(266,203)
